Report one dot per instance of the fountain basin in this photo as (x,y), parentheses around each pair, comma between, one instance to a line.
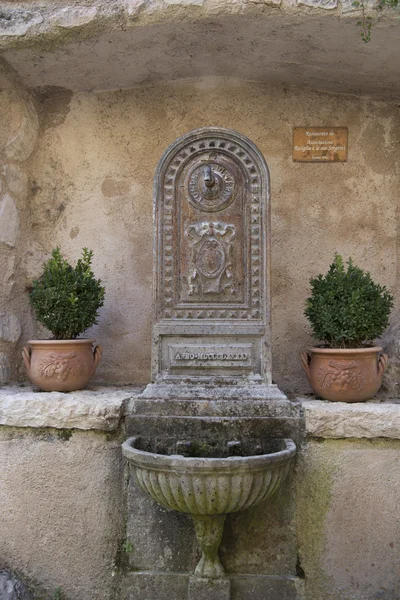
(208,488)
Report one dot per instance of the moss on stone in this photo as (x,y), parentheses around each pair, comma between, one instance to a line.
(315,478)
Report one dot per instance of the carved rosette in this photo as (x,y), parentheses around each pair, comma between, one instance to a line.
(215,197)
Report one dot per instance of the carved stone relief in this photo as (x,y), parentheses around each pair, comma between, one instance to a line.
(212,224)
(210,270)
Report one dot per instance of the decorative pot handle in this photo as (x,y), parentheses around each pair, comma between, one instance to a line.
(97,353)
(26,355)
(305,362)
(382,364)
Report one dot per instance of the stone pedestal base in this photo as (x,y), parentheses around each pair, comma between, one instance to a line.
(209,589)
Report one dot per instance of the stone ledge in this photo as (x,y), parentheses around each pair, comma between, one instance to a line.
(99,407)
(359,420)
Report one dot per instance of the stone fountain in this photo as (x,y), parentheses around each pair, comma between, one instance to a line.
(211,435)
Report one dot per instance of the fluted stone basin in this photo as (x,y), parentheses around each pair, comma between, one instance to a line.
(208,488)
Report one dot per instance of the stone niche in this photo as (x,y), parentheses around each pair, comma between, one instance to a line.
(211,365)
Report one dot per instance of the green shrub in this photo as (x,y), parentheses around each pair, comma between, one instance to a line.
(66,299)
(346,308)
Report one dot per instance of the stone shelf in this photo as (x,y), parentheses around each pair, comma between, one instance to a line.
(98,408)
(359,420)
(101,408)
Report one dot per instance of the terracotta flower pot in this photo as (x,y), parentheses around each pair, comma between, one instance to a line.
(344,375)
(61,365)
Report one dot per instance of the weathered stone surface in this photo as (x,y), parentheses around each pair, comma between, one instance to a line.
(157,586)
(391,344)
(11,588)
(98,408)
(348,5)
(167,586)
(74,16)
(10,328)
(17,181)
(358,420)
(33,259)
(9,221)
(253,587)
(133,7)
(7,268)
(209,589)
(186,2)
(20,144)
(276,3)
(61,497)
(348,519)
(5,370)
(327,4)
(16,22)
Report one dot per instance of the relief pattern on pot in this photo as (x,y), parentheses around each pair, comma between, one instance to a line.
(211,267)
(345,375)
(60,365)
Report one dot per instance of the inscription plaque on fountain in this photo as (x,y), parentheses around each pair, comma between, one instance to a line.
(211,256)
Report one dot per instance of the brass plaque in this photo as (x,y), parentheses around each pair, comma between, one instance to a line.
(320,144)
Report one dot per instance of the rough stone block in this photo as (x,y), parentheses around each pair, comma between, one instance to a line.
(98,408)
(5,369)
(22,139)
(17,181)
(327,4)
(209,589)
(74,16)
(156,586)
(10,328)
(358,420)
(33,260)
(253,587)
(18,22)
(9,221)
(12,588)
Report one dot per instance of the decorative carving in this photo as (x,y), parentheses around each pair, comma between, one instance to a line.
(212,152)
(211,187)
(61,365)
(345,375)
(212,216)
(210,269)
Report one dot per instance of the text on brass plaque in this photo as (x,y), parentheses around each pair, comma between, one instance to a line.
(320,144)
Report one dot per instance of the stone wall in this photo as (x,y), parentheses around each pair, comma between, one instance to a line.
(74,519)
(18,134)
(62,484)
(348,502)
(91,180)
